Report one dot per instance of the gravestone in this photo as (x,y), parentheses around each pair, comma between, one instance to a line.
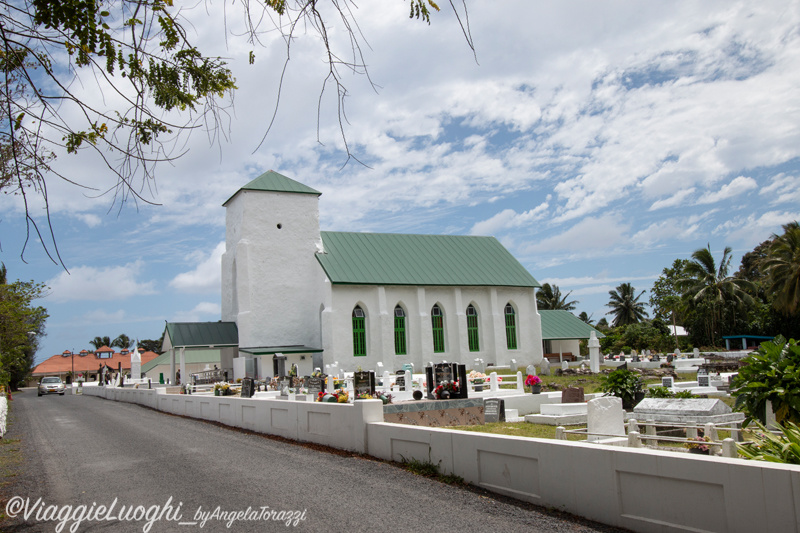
(544,367)
(494,410)
(703,380)
(315,385)
(400,380)
(572,395)
(247,388)
(564,365)
(531,370)
(285,385)
(604,417)
(656,358)
(696,353)
(668,381)
(670,358)
(622,357)
(447,372)
(364,383)
(623,366)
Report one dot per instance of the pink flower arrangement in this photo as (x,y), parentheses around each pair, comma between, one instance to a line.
(533,380)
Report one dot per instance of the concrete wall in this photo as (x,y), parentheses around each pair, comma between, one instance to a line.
(379,302)
(640,489)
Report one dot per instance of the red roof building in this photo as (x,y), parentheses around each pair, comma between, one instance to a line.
(87,364)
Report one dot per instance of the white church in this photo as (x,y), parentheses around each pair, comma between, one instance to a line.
(359,299)
(340,301)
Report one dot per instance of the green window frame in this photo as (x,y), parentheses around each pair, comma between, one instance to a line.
(399,331)
(359,332)
(437,324)
(511,327)
(472,329)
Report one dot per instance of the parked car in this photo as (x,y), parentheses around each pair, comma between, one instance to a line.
(51,385)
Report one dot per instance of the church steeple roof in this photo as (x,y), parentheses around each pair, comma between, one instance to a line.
(271,181)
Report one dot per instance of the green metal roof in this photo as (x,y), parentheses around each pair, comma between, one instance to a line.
(190,356)
(273,182)
(557,324)
(266,350)
(212,334)
(397,259)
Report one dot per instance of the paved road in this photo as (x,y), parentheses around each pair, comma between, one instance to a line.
(81,450)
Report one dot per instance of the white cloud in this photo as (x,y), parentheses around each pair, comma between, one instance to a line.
(206,277)
(736,187)
(508,218)
(200,313)
(674,200)
(101,284)
(589,233)
(783,189)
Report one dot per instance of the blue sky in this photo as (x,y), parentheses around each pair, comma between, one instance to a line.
(599,141)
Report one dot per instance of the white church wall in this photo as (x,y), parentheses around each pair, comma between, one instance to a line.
(273,286)
(378,303)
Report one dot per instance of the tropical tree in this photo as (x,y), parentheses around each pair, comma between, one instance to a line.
(625,305)
(586,318)
(782,266)
(549,297)
(99,342)
(602,323)
(21,327)
(710,288)
(122,342)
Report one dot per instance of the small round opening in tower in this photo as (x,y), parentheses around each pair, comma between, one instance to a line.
(280,226)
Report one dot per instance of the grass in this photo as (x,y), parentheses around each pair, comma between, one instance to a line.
(522,429)
(430,470)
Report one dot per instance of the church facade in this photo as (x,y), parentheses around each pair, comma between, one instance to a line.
(354,300)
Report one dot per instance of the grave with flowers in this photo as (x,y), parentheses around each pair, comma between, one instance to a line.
(447,381)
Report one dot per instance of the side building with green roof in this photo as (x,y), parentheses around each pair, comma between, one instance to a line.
(348,300)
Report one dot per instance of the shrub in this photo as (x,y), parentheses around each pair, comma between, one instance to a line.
(771,374)
(660,392)
(684,394)
(623,384)
(783,448)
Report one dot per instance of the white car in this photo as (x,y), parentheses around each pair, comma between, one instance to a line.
(51,385)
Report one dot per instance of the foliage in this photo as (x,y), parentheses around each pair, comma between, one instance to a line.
(622,383)
(21,327)
(549,297)
(684,394)
(625,306)
(698,443)
(652,335)
(709,290)
(122,342)
(782,265)
(766,446)
(660,392)
(586,318)
(99,342)
(771,374)
(156,83)
(150,345)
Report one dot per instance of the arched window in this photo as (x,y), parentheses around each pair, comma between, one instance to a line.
(359,332)
(511,328)
(437,323)
(472,329)
(399,331)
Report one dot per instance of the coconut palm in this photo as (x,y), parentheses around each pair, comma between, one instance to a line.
(625,306)
(707,284)
(99,342)
(782,266)
(586,318)
(549,297)
(122,342)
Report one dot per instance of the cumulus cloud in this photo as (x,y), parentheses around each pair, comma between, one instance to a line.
(100,283)
(206,277)
(508,218)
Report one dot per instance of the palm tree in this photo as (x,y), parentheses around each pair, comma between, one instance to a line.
(586,318)
(99,342)
(3,274)
(705,283)
(782,265)
(626,308)
(122,342)
(549,297)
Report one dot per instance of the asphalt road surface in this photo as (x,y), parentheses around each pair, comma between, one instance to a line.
(159,473)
